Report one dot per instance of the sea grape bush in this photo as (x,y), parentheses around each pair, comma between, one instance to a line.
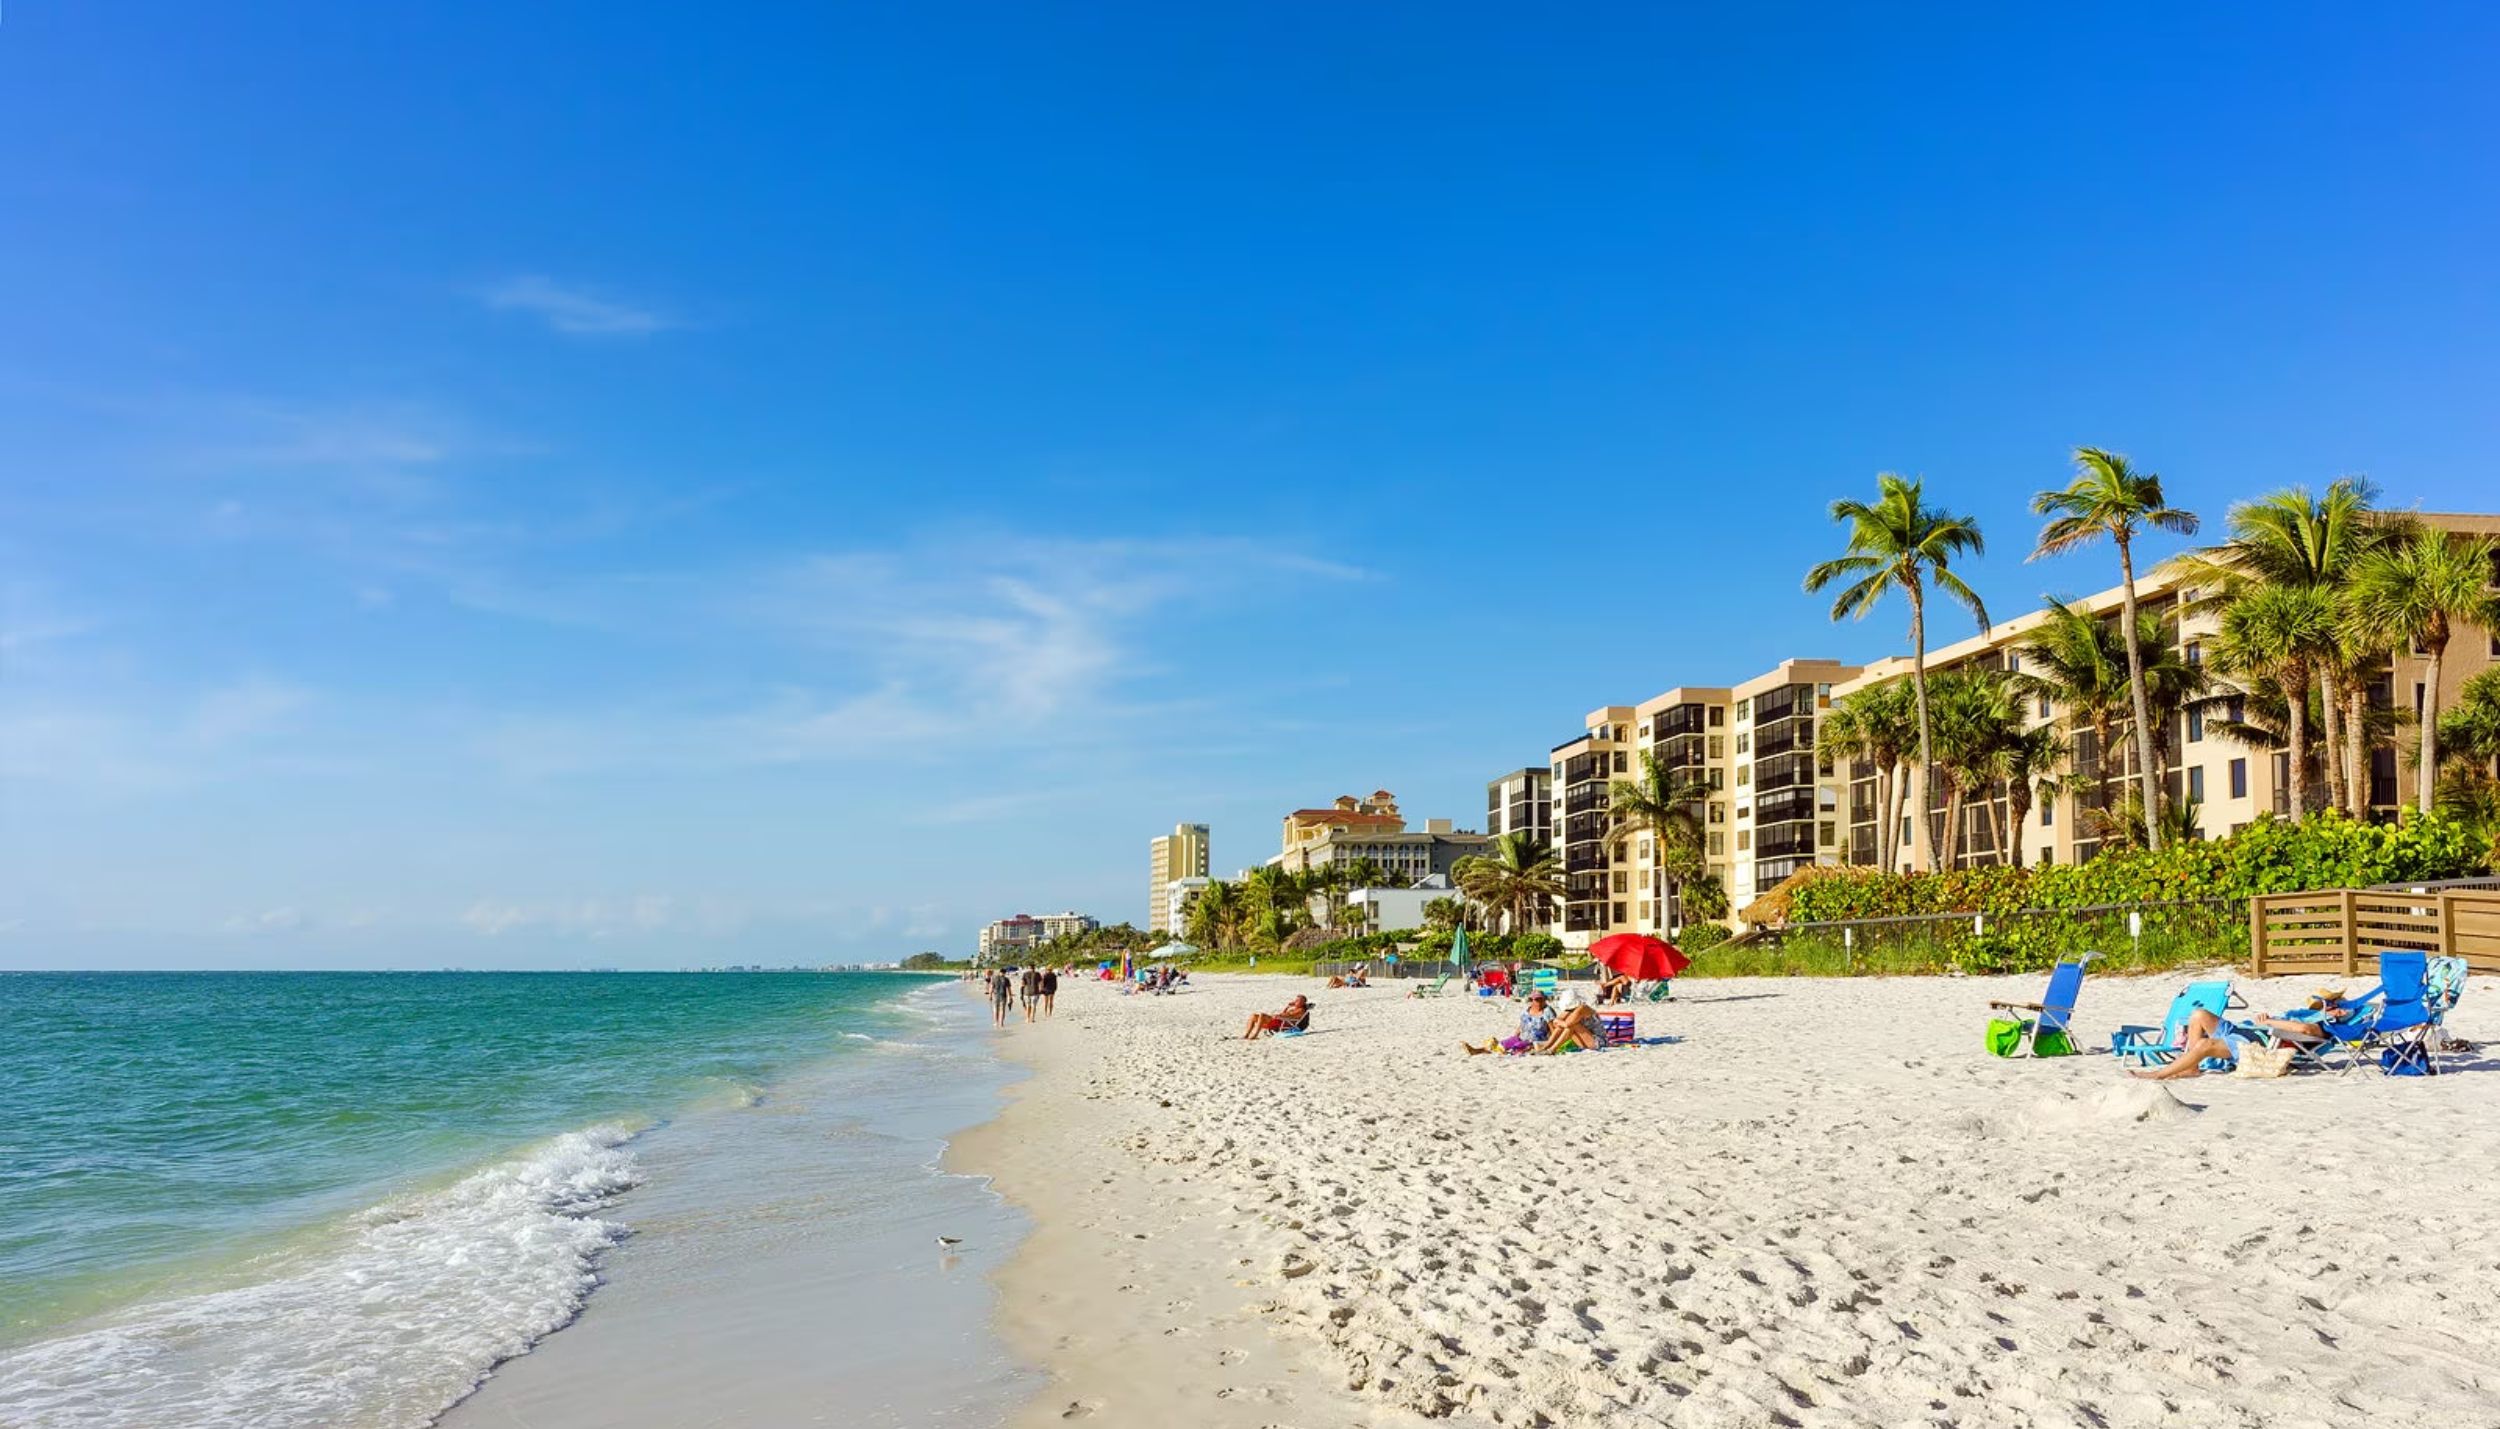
(2325,850)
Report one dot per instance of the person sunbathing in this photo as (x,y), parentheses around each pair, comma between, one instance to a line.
(2200,1040)
(1613,987)
(1536,1024)
(1295,1017)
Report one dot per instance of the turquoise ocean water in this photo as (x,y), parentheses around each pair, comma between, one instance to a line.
(331,1198)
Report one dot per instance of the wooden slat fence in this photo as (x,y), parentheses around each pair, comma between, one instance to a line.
(2341,930)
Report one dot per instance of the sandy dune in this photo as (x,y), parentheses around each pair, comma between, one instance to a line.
(1819,1203)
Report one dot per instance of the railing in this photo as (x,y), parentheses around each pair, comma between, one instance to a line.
(2340,929)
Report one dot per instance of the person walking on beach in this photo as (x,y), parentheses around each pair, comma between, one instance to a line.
(1050,990)
(1002,989)
(1032,991)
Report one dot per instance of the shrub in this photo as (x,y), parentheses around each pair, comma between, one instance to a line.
(1700,936)
(2325,850)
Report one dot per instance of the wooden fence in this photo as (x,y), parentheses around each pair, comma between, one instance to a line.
(2341,930)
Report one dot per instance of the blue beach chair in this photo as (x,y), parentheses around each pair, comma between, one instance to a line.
(2053,1013)
(2157,1046)
(2398,1034)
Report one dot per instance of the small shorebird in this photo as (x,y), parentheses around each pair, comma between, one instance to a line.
(950,1241)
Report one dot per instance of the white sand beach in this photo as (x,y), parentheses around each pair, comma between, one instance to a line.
(1816,1203)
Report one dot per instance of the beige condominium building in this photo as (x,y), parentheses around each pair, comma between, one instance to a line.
(1014,937)
(2232,783)
(1180,854)
(1770,804)
(1352,828)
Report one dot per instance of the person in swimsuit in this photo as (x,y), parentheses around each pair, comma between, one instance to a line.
(1295,1016)
(1536,1024)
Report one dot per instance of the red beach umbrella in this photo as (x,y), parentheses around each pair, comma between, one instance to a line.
(1640,957)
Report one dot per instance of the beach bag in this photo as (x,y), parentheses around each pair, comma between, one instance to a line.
(2263,1062)
(2005,1036)
(2052,1042)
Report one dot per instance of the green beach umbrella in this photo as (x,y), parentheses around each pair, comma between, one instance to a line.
(1458,952)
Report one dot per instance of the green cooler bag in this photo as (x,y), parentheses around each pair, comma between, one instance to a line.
(2050,1042)
(2005,1036)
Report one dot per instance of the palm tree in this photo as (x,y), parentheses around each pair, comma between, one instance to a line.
(2470,732)
(1445,913)
(1976,722)
(2279,633)
(2292,537)
(2470,794)
(1219,916)
(2109,497)
(1518,881)
(2415,592)
(2072,660)
(1899,542)
(1667,807)
(2032,761)
(1877,725)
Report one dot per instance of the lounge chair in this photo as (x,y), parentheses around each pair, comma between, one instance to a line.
(2158,1046)
(1435,989)
(1547,981)
(2399,1034)
(2052,1015)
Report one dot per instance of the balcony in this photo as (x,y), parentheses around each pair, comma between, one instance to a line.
(1786,771)
(1792,839)
(1779,704)
(1683,719)
(1785,807)
(1796,734)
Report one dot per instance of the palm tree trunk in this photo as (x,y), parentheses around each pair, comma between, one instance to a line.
(1949,853)
(2017,811)
(2426,778)
(1922,843)
(2337,792)
(1883,827)
(2356,750)
(2146,770)
(1896,791)
(2296,690)
(1997,813)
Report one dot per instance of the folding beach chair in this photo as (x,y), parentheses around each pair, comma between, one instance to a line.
(2158,1046)
(2051,1017)
(2398,1036)
(1547,981)
(1438,984)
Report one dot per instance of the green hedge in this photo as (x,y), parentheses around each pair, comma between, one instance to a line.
(2325,850)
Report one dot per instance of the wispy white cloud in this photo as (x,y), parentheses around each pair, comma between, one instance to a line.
(575,311)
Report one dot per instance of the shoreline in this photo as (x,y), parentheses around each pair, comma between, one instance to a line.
(1127,1293)
(1808,1202)
(763,1281)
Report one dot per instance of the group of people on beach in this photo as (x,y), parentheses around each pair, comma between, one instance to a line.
(1036,988)
(1543,1031)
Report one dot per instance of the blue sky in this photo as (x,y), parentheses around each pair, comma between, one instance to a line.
(614,484)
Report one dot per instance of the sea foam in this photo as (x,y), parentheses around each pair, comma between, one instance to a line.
(399,1315)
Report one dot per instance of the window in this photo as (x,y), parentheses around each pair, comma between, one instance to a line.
(1744,742)
(1824,833)
(1623,882)
(2048,813)
(1718,844)
(1619,764)
(2196,725)
(1744,709)
(2417,699)
(2044,707)
(2196,652)
(1718,716)
(2048,855)
(1744,840)
(1718,813)
(2239,778)
(2196,782)
(1618,912)
(1744,775)
(1718,778)
(1718,746)
(2013,663)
